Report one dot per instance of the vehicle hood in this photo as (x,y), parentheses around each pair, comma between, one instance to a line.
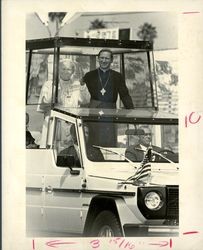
(164,174)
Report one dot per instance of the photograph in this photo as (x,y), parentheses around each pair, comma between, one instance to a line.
(102,134)
(102,117)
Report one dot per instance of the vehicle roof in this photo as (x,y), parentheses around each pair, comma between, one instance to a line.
(87,42)
(121,115)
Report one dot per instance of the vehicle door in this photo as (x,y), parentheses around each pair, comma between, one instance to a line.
(36,160)
(35,170)
(63,180)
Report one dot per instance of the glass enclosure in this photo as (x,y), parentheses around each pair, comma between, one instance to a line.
(44,84)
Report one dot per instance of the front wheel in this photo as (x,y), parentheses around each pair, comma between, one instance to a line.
(106,224)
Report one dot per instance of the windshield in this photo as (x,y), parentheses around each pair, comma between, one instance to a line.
(128,142)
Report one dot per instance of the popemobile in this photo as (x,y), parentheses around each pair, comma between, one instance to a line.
(97,171)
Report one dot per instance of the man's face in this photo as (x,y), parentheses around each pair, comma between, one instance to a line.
(65,71)
(105,60)
(146,138)
(135,139)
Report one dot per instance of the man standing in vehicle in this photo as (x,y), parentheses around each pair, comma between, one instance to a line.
(68,93)
(104,84)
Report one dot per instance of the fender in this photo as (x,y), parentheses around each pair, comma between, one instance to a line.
(115,204)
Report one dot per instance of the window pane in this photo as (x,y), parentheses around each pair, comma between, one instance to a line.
(66,143)
(138,80)
(41,72)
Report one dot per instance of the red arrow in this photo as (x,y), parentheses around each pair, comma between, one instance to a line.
(163,244)
(55,243)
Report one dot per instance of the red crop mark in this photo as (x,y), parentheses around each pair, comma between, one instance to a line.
(191,232)
(170,243)
(191,12)
(33,244)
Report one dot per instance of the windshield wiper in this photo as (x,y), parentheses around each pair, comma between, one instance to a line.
(122,155)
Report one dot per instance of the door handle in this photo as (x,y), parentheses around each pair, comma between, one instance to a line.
(49,189)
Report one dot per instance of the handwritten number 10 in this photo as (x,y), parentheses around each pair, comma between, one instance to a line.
(192,119)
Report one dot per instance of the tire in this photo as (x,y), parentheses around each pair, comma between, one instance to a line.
(106,224)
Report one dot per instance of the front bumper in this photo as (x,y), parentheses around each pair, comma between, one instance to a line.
(151,231)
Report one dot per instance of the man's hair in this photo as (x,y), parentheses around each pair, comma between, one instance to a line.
(143,128)
(106,50)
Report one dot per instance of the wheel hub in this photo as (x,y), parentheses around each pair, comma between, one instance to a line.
(106,231)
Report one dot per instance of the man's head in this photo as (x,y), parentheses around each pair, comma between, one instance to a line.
(66,69)
(146,137)
(105,58)
(135,135)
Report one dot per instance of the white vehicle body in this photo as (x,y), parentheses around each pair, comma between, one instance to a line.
(63,202)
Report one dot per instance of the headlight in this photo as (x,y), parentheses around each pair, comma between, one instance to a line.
(153,201)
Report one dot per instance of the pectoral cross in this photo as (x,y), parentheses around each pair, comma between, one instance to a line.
(103,91)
